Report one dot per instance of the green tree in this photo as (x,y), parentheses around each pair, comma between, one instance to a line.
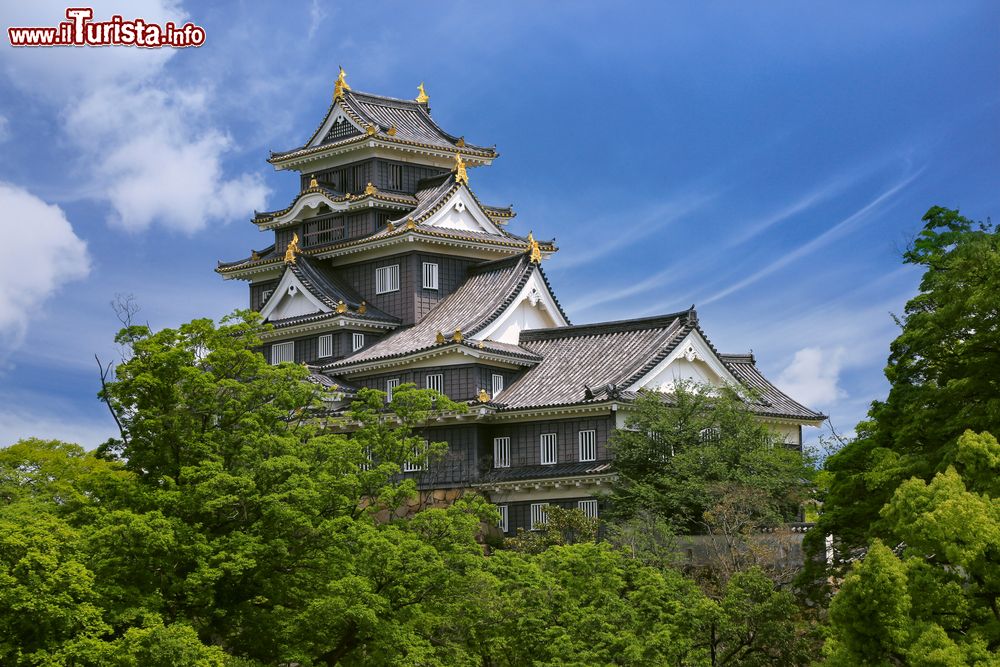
(943,369)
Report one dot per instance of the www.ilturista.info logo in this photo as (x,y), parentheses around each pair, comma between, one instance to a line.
(79,30)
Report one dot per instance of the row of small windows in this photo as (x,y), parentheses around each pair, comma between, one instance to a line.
(387,277)
(417,462)
(539,516)
(549,448)
(282,352)
(435,381)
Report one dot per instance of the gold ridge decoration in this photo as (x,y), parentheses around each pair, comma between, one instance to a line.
(313,183)
(371,130)
(461,142)
(484,396)
(341,85)
(457,336)
(371,189)
(389,226)
(341,307)
(363,308)
(439,339)
(391,131)
(410,224)
(254,255)
(422,97)
(292,250)
(460,175)
(534,252)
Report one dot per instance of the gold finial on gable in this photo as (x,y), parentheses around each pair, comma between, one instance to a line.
(410,224)
(254,255)
(460,175)
(341,307)
(391,131)
(313,183)
(422,98)
(292,250)
(439,339)
(389,226)
(363,308)
(371,129)
(484,396)
(534,252)
(457,336)
(370,189)
(341,85)
(461,142)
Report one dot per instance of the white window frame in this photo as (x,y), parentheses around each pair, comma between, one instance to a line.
(325,344)
(435,381)
(430,274)
(548,444)
(286,353)
(420,452)
(357,341)
(387,279)
(588,507)
(588,445)
(367,453)
(504,522)
(265,295)
(497,382)
(501,452)
(390,384)
(539,517)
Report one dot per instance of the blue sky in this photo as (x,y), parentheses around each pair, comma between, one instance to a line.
(765,161)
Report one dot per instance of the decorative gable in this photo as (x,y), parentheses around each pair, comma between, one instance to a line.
(461,211)
(336,126)
(291,299)
(533,308)
(693,360)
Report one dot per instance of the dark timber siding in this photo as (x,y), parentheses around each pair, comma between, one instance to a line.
(460,383)
(519,514)
(387,175)
(460,466)
(525,439)
(257,293)
(452,272)
(307,347)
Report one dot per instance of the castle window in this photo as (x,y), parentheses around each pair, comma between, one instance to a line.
(389,386)
(501,452)
(281,352)
(387,279)
(497,384)
(430,275)
(435,381)
(357,341)
(550,454)
(418,458)
(710,434)
(539,517)
(395,180)
(588,507)
(588,445)
(265,295)
(502,523)
(366,463)
(326,345)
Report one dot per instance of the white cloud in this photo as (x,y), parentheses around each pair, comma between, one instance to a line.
(813,376)
(23,422)
(40,253)
(148,146)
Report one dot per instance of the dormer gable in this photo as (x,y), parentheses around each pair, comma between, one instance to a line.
(534,307)
(692,360)
(291,299)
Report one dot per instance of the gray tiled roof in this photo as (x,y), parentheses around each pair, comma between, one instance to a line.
(328,288)
(773,401)
(484,295)
(590,355)
(547,471)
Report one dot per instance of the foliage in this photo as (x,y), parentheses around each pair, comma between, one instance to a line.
(562,526)
(942,370)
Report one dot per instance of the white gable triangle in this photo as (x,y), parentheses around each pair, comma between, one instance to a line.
(335,117)
(533,308)
(461,211)
(291,299)
(693,360)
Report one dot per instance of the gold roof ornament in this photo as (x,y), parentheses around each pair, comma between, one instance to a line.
(363,308)
(534,252)
(410,224)
(457,336)
(484,396)
(391,131)
(341,85)
(371,130)
(481,345)
(254,255)
(313,183)
(422,97)
(371,189)
(292,250)
(341,307)
(439,339)
(460,175)
(461,142)
(389,226)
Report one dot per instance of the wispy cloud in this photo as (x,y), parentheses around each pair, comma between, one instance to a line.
(316,16)
(823,239)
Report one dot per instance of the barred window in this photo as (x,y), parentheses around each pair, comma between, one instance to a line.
(326,345)
(366,464)
(501,452)
(395,180)
(588,507)
(710,434)
(357,341)
(389,386)
(588,445)
(497,384)
(503,523)
(435,381)
(549,446)
(281,352)
(387,279)
(265,295)
(418,458)
(539,517)
(430,275)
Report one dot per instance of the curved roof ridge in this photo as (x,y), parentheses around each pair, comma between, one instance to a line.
(611,326)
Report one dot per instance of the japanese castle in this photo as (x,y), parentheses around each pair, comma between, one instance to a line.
(386,268)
